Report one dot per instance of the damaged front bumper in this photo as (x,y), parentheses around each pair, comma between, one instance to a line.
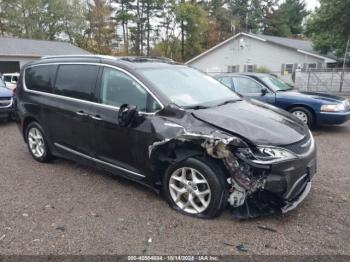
(285,186)
(292,205)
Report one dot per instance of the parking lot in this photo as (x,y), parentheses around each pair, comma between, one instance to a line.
(65,208)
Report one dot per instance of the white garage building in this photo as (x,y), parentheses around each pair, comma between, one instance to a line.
(246,52)
(15,52)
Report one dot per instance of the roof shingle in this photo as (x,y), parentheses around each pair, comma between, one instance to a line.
(36,48)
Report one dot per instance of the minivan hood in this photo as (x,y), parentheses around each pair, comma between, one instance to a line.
(258,122)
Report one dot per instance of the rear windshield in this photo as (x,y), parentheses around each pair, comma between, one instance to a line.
(188,87)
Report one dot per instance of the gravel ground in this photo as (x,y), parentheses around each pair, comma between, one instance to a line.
(65,208)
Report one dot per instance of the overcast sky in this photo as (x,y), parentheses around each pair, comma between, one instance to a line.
(311,4)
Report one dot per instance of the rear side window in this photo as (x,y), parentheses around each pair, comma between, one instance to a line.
(40,78)
(76,81)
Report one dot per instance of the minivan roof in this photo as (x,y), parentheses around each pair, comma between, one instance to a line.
(131,62)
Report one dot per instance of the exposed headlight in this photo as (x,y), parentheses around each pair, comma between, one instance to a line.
(333,108)
(267,155)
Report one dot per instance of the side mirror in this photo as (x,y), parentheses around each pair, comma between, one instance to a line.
(264,91)
(126,114)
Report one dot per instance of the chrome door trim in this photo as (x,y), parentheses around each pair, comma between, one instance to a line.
(90,102)
(97,160)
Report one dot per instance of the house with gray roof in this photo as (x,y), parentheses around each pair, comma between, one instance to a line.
(15,52)
(245,52)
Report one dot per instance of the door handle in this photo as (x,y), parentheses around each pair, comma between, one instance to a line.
(96,117)
(81,113)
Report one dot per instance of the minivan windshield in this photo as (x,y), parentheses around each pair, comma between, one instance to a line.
(275,83)
(188,87)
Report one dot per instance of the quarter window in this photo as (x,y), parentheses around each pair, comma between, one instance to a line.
(226,81)
(245,85)
(117,88)
(40,78)
(76,81)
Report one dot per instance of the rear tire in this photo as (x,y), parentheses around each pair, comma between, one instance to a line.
(196,187)
(303,114)
(37,143)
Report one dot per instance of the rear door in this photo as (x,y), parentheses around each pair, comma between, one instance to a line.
(68,118)
(117,147)
(251,88)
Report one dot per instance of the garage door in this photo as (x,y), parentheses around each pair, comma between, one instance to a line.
(9,67)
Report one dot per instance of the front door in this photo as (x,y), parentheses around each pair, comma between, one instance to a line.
(118,147)
(70,124)
(249,87)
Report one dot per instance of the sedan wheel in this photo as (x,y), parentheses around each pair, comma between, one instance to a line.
(189,190)
(302,116)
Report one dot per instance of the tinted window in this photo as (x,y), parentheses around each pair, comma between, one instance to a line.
(117,89)
(40,78)
(76,81)
(245,85)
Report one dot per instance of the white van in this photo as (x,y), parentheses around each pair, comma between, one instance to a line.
(10,80)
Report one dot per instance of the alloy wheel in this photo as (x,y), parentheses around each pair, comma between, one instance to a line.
(189,190)
(36,142)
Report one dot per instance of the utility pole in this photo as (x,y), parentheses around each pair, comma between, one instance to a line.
(344,64)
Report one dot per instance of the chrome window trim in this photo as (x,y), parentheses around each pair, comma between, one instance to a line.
(85,101)
(9,105)
(97,160)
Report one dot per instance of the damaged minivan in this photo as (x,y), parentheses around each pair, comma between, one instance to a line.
(169,127)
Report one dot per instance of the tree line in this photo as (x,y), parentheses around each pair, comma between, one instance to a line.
(178,29)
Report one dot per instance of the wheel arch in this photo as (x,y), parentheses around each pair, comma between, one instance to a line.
(312,110)
(26,121)
(175,152)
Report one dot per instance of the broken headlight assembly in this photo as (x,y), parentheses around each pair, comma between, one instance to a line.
(265,155)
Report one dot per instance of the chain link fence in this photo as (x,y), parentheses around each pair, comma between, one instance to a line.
(332,80)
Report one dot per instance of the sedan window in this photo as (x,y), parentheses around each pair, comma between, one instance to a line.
(227,81)
(244,85)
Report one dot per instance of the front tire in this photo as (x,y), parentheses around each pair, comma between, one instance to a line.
(303,114)
(37,143)
(195,187)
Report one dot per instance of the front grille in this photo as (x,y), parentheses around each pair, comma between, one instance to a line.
(300,147)
(5,102)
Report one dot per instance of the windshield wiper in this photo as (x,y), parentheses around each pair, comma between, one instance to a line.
(228,102)
(197,107)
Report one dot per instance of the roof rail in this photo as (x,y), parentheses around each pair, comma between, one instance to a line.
(72,56)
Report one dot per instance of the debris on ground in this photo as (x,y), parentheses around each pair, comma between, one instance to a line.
(61,228)
(25,215)
(2,237)
(267,228)
(242,248)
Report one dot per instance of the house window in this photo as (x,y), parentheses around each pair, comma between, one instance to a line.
(249,68)
(233,68)
(289,68)
(312,66)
